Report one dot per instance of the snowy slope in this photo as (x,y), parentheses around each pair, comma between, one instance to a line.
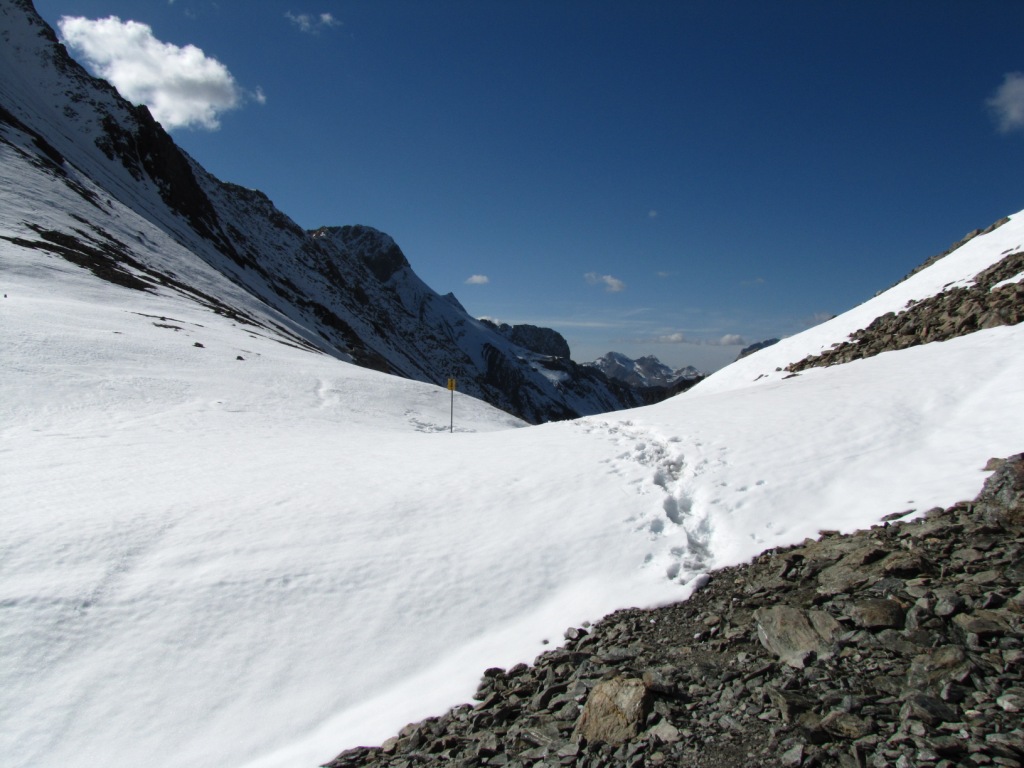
(349,291)
(956,269)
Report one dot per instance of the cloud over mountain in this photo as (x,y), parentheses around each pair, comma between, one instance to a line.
(182,86)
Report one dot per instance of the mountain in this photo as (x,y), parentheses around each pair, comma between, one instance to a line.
(757,345)
(647,371)
(123,201)
(223,545)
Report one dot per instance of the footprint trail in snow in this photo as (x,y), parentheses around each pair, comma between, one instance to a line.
(678,527)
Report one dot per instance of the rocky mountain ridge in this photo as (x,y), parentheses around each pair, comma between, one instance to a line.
(111,173)
(646,371)
(995,297)
(756,346)
(902,645)
(647,375)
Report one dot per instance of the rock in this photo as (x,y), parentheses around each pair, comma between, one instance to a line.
(981,623)
(664,731)
(934,669)
(1012,700)
(789,704)
(786,632)
(877,614)
(846,725)
(954,312)
(840,578)
(614,712)
(544,341)
(1001,499)
(949,603)
(927,709)
(827,627)
(793,757)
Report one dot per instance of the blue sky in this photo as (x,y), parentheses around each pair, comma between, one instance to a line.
(668,178)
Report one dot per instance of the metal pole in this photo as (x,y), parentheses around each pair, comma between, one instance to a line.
(451,388)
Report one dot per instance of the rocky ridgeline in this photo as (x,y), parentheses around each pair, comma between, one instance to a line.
(955,312)
(902,645)
(962,241)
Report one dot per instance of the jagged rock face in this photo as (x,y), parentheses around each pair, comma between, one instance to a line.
(902,645)
(543,341)
(347,291)
(148,152)
(377,250)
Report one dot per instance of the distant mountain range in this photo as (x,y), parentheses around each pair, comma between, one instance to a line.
(749,350)
(647,371)
(115,195)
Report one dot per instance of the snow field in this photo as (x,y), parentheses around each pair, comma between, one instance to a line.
(208,561)
(194,544)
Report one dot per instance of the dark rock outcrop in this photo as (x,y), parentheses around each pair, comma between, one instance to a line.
(904,646)
(543,341)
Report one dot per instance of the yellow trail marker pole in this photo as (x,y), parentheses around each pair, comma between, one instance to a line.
(451,388)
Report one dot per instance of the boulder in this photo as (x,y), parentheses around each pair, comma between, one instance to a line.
(614,712)
(787,632)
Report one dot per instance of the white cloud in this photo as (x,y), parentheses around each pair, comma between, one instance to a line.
(312,23)
(477,280)
(673,338)
(1007,103)
(652,214)
(611,284)
(729,340)
(183,87)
